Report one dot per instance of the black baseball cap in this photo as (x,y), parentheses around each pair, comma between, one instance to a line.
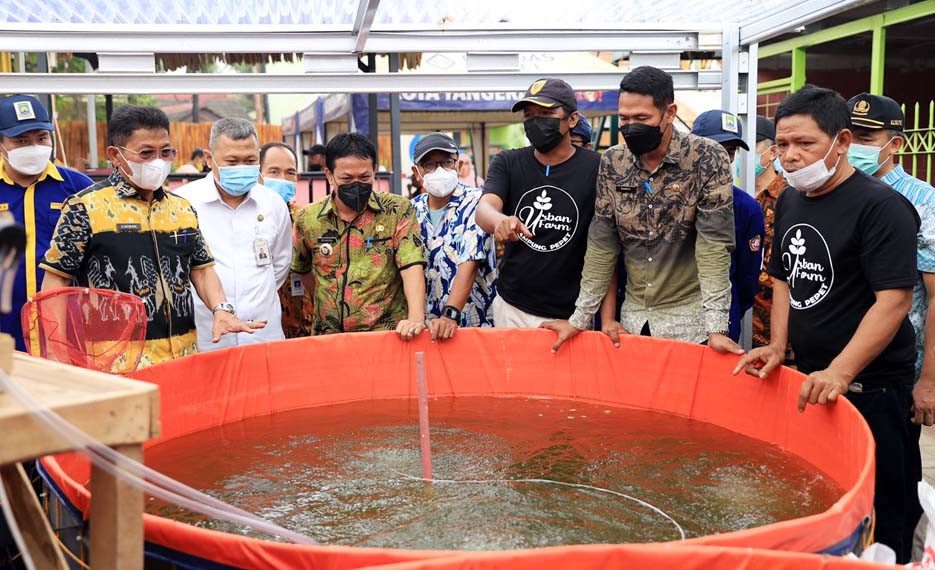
(20,114)
(876,112)
(433,141)
(765,129)
(549,92)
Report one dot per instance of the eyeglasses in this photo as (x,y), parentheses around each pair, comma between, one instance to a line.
(431,165)
(167,154)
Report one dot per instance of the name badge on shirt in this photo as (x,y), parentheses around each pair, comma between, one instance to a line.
(261,252)
(625,188)
(55,206)
(4,207)
(128,227)
(298,290)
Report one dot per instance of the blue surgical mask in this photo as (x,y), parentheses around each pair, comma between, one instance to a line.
(778,166)
(238,180)
(758,168)
(285,188)
(866,158)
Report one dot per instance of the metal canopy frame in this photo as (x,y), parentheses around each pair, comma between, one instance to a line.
(362,37)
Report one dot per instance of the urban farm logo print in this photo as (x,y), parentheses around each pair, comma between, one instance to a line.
(807,262)
(551,215)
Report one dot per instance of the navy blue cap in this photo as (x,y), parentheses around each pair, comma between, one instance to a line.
(583,128)
(433,141)
(719,126)
(22,113)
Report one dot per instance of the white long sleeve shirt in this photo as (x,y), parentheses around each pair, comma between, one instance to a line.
(232,235)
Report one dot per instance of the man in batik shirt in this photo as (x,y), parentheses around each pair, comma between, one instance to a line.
(462,268)
(360,252)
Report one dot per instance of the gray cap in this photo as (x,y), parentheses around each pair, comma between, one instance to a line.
(433,141)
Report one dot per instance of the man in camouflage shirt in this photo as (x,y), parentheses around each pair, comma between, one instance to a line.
(358,252)
(665,199)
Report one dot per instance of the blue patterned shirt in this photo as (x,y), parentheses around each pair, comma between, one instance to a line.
(455,240)
(922,197)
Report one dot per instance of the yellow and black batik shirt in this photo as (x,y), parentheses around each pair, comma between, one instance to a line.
(109,237)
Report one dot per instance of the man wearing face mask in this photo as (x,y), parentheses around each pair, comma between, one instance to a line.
(359,252)
(747,257)
(32,189)
(127,234)
(878,131)
(582,133)
(665,199)
(539,200)
(843,268)
(461,270)
(769,185)
(316,157)
(279,173)
(248,229)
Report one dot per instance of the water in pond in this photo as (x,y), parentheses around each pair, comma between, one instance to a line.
(340,474)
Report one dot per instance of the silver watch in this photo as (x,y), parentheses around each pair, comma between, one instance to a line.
(227,307)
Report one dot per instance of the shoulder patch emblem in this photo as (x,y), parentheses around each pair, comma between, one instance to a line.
(756,243)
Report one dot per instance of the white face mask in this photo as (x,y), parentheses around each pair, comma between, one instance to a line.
(815,175)
(29,160)
(440,182)
(149,175)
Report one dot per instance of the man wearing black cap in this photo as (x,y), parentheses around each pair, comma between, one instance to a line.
(665,199)
(32,189)
(878,124)
(461,270)
(746,260)
(540,200)
(582,133)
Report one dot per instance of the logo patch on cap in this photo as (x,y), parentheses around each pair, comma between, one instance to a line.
(537,86)
(729,123)
(24,110)
(862,107)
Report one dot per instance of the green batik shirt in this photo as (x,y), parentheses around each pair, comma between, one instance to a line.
(675,226)
(357,265)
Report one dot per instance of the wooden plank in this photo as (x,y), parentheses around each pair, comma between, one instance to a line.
(38,538)
(116,519)
(110,409)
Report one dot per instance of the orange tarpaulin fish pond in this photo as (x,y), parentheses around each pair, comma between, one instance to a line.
(213,390)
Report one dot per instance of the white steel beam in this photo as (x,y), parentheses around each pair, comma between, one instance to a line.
(530,41)
(797,14)
(366,10)
(337,39)
(137,83)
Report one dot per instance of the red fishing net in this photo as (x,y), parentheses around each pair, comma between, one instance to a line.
(97,329)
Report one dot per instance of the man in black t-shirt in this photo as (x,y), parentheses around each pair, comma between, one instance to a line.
(540,200)
(844,265)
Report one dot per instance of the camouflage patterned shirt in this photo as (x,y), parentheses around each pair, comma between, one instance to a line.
(675,226)
(358,286)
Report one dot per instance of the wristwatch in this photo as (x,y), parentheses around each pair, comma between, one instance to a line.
(227,307)
(451,313)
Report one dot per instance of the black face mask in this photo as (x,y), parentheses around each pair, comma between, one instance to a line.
(355,195)
(640,138)
(545,133)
